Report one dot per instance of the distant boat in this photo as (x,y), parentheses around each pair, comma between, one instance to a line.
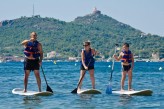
(139,60)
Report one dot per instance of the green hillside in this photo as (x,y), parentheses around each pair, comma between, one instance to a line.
(66,37)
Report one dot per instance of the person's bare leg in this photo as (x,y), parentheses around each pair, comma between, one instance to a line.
(91,72)
(26,75)
(123,80)
(37,75)
(81,74)
(130,80)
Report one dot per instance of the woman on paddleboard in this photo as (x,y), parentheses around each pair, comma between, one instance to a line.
(127,62)
(33,59)
(87,63)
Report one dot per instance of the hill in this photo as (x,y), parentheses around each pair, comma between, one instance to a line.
(66,37)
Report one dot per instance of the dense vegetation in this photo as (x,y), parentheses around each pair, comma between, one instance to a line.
(66,37)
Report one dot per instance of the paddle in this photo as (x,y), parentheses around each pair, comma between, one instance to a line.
(109,87)
(48,87)
(75,90)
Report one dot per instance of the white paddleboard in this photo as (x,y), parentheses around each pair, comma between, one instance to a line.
(89,91)
(146,92)
(19,91)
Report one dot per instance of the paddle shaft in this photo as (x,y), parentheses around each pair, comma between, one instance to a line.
(113,63)
(44,76)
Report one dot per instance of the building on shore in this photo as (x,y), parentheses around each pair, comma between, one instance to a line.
(155,56)
(51,54)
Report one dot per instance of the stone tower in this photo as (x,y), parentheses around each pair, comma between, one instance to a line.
(95,11)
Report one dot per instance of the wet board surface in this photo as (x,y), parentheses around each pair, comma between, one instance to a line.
(146,92)
(89,91)
(19,91)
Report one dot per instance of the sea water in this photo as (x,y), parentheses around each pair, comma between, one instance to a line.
(62,77)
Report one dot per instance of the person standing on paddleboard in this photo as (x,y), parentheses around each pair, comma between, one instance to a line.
(87,63)
(33,59)
(127,62)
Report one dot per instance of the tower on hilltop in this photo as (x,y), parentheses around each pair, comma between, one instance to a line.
(95,11)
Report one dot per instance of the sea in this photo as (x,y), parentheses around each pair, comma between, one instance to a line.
(62,78)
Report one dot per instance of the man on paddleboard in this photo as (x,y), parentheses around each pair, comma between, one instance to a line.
(87,63)
(33,59)
(127,62)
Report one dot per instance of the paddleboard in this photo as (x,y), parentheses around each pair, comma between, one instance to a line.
(89,91)
(146,92)
(19,91)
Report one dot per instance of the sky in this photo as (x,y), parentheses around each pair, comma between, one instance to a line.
(144,15)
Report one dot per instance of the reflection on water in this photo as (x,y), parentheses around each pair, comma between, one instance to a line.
(86,96)
(86,101)
(31,100)
(125,99)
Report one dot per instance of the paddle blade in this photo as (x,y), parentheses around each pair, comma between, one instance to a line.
(49,89)
(74,91)
(109,89)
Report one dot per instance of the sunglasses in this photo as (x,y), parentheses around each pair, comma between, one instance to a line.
(85,45)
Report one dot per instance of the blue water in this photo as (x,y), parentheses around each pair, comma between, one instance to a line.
(63,77)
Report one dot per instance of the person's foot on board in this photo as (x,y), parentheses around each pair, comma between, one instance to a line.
(24,90)
(130,89)
(122,90)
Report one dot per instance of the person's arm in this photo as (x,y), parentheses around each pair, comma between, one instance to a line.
(82,59)
(24,43)
(132,62)
(41,52)
(94,52)
(117,58)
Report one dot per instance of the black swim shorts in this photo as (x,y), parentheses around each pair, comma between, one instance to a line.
(31,64)
(126,68)
(89,68)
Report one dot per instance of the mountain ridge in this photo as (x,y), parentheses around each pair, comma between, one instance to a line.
(66,37)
